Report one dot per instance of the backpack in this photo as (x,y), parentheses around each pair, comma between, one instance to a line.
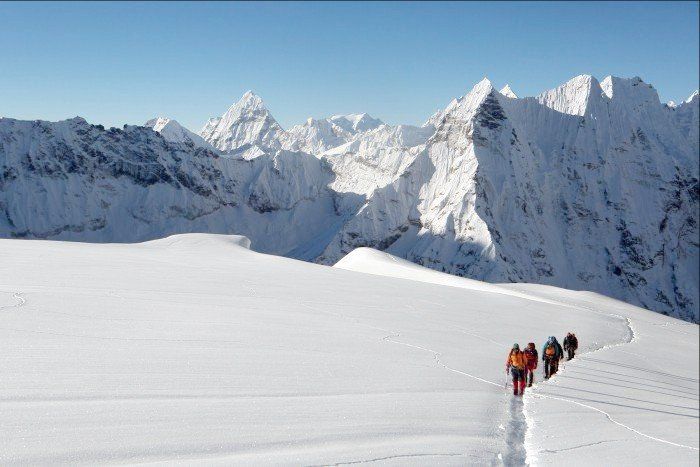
(550,350)
(516,359)
(530,356)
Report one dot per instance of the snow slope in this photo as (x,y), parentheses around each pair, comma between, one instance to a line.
(563,415)
(194,349)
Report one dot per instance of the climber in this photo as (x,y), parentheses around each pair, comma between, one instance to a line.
(551,354)
(531,358)
(516,366)
(570,345)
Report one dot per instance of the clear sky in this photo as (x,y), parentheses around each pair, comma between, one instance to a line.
(116,63)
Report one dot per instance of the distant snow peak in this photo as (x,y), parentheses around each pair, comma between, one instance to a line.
(573,96)
(692,97)
(157,123)
(251,101)
(484,85)
(356,122)
(317,136)
(633,91)
(508,92)
(172,131)
(247,122)
(465,107)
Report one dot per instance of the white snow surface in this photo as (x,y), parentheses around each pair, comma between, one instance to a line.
(377,262)
(195,350)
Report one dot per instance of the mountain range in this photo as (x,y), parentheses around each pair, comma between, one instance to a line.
(589,186)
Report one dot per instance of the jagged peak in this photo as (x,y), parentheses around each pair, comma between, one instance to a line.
(692,97)
(159,123)
(572,97)
(629,89)
(480,90)
(173,131)
(250,101)
(466,106)
(508,92)
(483,85)
(156,120)
(356,122)
(584,82)
(583,78)
(77,119)
(246,122)
(248,104)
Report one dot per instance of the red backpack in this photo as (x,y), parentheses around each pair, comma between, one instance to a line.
(530,356)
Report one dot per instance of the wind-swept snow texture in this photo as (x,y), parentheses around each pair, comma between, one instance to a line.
(194,349)
(589,186)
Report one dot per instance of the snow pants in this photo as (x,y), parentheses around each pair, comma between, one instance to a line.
(518,380)
(571,352)
(530,375)
(551,365)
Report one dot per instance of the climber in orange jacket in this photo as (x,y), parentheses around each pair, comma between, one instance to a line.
(515,364)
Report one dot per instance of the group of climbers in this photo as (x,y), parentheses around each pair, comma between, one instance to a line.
(521,364)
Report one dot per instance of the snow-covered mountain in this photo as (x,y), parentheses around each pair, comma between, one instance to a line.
(592,185)
(248,124)
(586,186)
(245,123)
(375,158)
(685,116)
(316,136)
(172,131)
(75,181)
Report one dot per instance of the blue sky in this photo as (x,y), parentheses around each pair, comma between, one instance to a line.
(116,63)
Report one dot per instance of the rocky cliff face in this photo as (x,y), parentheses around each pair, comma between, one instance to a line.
(592,185)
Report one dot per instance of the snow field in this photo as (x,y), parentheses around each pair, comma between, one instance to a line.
(194,349)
